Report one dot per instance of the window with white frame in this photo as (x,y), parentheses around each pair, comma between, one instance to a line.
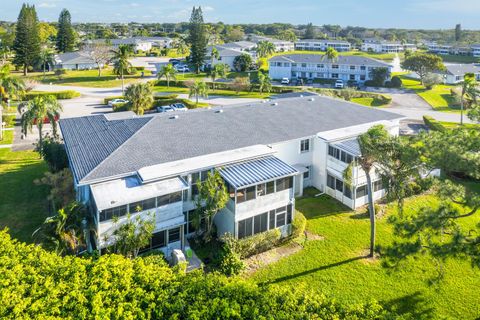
(306,174)
(305,145)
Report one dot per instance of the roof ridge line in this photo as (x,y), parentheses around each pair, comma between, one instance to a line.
(114,151)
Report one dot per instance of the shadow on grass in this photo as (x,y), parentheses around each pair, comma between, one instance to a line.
(360,216)
(317,207)
(413,305)
(304,273)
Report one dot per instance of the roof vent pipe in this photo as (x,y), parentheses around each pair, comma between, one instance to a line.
(219,111)
(311,99)
(174,117)
(275,104)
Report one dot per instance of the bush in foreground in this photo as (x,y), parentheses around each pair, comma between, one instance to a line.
(40,284)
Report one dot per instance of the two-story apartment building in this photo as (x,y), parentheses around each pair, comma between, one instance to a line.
(267,153)
(315,66)
(280,45)
(380,46)
(322,45)
(226,55)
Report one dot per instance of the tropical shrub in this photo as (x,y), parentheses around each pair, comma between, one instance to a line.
(230,263)
(37,284)
(53,152)
(396,82)
(299,223)
(255,244)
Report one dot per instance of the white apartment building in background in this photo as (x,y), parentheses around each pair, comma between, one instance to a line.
(322,45)
(316,66)
(382,46)
(266,152)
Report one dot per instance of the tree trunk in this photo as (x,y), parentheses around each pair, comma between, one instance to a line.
(39,127)
(462,105)
(371,209)
(44,67)
(25,70)
(196,96)
(123,90)
(99,70)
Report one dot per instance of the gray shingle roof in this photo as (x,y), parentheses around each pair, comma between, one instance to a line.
(319,58)
(202,132)
(461,69)
(73,58)
(90,140)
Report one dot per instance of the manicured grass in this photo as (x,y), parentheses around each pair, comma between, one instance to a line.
(453,125)
(369,102)
(7,137)
(459,59)
(23,205)
(439,97)
(87,78)
(336,266)
(379,56)
(226,93)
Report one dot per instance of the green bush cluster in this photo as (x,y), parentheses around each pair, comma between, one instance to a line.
(299,223)
(8,119)
(37,284)
(255,244)
(66,94)
(433,124)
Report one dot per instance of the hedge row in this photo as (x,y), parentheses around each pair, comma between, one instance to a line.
(433,124)
(66,94)
(349,94)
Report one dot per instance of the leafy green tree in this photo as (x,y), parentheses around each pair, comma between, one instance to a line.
(197,39)
(212,197)
(140,97)
(180,45)
(65,33)
(264,82)
(39,110)
(198,89)
(27,39)
(242,62)
(47,33)
(379,76)
(458,32)
(61,187)
(469,91)
(220,70)
(310,32)
(62,232)
(370,153)
(169,72)
(233,33)
(265,49)
(288,35)
(133,234)
(121,64)
(53,152)
(423,64)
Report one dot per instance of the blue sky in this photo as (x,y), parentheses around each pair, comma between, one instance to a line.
(428,14)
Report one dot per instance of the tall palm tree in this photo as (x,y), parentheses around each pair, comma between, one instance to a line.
(369,150)
(215,55)
(469,92)
(198,89)
(331,55)
(121,64)
(46,58)
(219,70)
(140,96)
(265,49)
(169,72)
(264,82)
(40,110)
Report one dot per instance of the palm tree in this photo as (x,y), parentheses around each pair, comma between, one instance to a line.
(40,110)
(121,64)
(198,89)
(369,155)
(331,55)
(140,96)
(180,45)
(469,92)
(214,55)
(264,82)
(45,58)
(219,70)
(265,49)
(10,87)
(169,72)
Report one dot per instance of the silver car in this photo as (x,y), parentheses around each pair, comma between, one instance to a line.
(165,109)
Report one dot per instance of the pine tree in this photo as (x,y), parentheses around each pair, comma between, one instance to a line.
(310,31)
(27,39)
(65,35)
(197,39)
(458,32)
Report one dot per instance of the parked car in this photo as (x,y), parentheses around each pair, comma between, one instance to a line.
(339,84)
(353,84)
(179,107)
(162,109)
(114,102)
(285,81)
(174,61)
(182,68)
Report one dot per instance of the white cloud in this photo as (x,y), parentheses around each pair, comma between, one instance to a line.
(207,8)
(46,5)
(134,4)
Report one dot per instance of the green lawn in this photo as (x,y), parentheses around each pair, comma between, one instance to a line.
(388,57)
(439,97)
(335,266)
(7,137)
(23,205)
(453,125)
(226,93)
(369,102)
(87,78)
(459,59)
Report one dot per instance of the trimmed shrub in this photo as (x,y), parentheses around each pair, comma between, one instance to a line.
(348,94)
(255,244)
(433,124)
(53,152)
(396,82)
(230,263)
(66,94)
(299,223)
